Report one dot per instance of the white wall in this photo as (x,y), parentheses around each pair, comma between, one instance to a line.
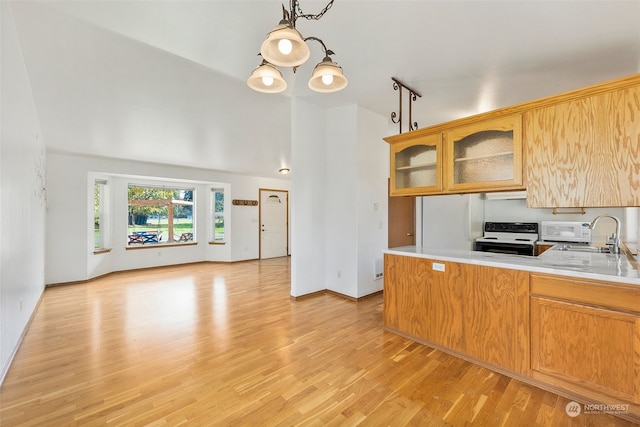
(373,173)
(516,210)
(342,195)
(308,198)
(23,198)
(69,254)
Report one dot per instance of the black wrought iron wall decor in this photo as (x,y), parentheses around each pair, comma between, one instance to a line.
(413,95)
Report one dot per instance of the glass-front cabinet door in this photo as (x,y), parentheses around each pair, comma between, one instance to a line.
(485,156)
(416,166)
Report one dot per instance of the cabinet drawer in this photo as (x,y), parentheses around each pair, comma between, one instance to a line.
(601,294)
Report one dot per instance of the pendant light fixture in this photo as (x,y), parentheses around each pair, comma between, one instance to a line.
(327,77)
(267,78)
(285,47)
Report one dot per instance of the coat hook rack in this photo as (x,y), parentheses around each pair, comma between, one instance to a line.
(413,95)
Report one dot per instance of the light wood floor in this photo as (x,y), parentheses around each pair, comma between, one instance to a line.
(223,344)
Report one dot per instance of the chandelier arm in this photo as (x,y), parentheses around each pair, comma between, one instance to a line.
(324,47)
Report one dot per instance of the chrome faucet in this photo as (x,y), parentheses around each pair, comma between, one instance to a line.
(613,241)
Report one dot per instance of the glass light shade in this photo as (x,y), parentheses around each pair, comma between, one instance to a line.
(266,78)
(327,77)
(270,49)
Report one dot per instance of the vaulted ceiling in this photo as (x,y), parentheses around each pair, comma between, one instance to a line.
(165,81)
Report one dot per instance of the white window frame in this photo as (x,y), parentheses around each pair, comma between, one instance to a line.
(216,215)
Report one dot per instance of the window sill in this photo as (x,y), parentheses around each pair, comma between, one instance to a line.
(217,242)
(159,245)
(101,251)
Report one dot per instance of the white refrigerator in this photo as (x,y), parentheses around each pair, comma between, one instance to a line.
(449,222)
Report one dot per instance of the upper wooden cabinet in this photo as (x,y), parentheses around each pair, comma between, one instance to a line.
(586,151)
(576,149)
(416,166)
(484,156)
(479,157)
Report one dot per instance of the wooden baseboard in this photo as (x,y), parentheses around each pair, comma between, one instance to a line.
(76,282)
(337,294)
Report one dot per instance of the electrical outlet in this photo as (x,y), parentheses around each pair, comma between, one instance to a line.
(437,266)
(378,269)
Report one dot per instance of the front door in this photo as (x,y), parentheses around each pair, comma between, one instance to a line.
(273,223)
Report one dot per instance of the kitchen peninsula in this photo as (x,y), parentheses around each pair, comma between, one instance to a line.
(568,322)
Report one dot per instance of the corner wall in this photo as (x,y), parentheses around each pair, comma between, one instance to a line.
(308,198)
(339,212)
(357,171)
(22,196)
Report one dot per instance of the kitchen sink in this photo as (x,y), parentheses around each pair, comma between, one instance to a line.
(582,248)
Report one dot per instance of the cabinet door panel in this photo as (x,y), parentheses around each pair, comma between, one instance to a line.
(406,282)
(446,304)
(585,152)
(496,317)
(485,156)
(586,347)
(416,166)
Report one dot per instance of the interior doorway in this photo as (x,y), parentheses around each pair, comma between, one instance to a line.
(274,223)
(402,221)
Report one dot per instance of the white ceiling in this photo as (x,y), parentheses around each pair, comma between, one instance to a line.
(165,81)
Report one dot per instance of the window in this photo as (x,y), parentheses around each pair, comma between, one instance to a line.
(160,215)
(217,208)
(99,189)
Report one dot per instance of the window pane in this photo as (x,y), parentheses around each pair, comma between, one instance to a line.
(218,213)
(97,214)
(160,215)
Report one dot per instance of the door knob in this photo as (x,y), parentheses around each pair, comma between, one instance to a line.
(409,234)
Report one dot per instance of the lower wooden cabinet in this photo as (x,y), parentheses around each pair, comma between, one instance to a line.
(592,346)
(478,311)
(579,336)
